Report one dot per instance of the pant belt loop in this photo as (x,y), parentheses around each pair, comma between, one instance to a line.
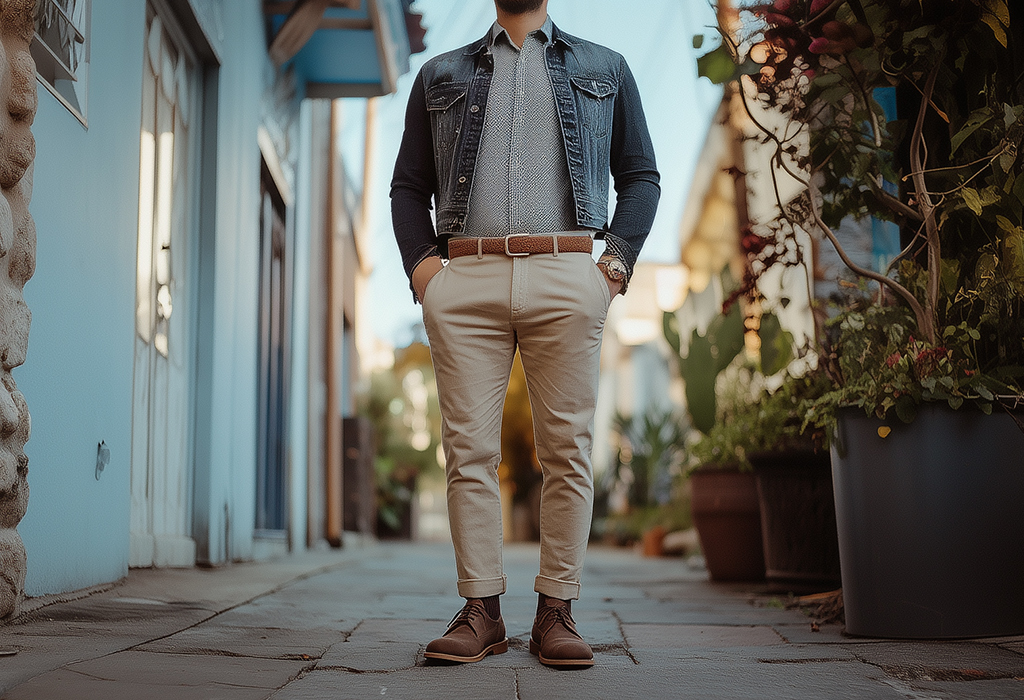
(479,249)
(555,241)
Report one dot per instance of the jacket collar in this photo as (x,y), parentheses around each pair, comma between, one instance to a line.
(557,36)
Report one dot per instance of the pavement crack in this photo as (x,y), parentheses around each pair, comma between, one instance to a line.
(625,641)
(819,660)
(516,678)
(920,672)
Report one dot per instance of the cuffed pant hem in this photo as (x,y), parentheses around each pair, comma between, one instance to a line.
(553,588)
(481,587)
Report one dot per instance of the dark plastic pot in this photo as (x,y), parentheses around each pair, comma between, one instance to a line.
(728,521)
(931,524)
(798,517)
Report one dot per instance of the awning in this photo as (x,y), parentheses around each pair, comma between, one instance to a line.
(343,48)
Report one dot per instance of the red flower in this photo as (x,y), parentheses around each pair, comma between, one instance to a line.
(893,359)
(819,5)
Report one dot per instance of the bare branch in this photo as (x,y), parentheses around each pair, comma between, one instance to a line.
(927,208)
(919,312)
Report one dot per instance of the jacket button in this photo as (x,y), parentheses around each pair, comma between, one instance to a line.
(462,179)
(474,109)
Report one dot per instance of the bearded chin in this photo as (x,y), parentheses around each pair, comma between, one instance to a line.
(518,7)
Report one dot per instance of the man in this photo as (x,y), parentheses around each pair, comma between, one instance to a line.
(514,137)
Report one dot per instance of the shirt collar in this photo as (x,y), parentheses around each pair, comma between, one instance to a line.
(545,32)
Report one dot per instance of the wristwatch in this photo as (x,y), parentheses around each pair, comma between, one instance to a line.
(614,269)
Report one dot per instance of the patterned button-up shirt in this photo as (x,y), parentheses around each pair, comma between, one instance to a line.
(522,182)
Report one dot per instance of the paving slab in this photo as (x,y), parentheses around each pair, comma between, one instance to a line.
(706,680)
(192,670)
(64,683)
(1003,689)
(371,656)
(473,682)
(942,661)
(256,642)
(682,636)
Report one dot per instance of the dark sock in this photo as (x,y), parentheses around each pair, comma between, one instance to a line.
(492,607)
(542,600)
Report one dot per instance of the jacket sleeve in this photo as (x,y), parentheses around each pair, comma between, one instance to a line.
(414,184)
(635,174)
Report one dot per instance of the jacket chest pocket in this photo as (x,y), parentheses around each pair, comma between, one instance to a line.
(595,98)
(444,104)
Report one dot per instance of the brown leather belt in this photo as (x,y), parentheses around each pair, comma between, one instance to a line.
(519,245)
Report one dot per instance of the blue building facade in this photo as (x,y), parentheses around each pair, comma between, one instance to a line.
(187,190)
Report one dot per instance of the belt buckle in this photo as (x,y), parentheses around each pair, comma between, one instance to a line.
(509,252)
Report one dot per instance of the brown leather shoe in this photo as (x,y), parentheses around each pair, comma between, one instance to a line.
(555,639)
(471,636)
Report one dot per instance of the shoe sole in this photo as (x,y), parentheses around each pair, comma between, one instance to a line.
(582,663)
(496,648)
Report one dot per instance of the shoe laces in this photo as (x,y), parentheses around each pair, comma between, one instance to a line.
(470,611)
(559,614)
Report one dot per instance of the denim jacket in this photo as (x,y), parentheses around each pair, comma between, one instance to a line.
(603,127)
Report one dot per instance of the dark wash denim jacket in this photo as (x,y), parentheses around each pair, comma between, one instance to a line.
(603,127)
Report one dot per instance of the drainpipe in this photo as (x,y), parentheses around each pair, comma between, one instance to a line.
(332,284)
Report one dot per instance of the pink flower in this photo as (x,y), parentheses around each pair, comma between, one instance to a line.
(893,359)
(820,45)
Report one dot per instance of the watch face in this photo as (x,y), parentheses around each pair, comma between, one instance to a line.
(615,270)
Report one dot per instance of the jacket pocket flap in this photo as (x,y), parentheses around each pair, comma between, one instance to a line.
(443,95)
(595,87)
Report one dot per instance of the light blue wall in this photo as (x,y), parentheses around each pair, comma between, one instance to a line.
(77,378)
(225,494)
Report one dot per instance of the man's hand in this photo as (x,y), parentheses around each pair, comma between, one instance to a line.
(614,286)
(425,272)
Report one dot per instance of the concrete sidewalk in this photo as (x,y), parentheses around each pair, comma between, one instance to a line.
(353,624)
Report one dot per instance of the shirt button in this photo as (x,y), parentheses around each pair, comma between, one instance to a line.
(462,179)
(474,109)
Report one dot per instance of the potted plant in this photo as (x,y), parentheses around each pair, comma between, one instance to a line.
(647,461)
(724,500)
(928,370)
(794,483)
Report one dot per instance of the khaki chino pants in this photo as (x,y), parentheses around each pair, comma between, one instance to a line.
(477,311)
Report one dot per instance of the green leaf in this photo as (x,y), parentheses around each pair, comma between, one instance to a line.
(698,370)
(906,409)
(725,333)
(971,199)
(976,120)
(997,16)
(670,328)
(949,272)
(719,67)
(776,345)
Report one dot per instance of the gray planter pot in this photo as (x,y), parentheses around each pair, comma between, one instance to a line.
(931,524)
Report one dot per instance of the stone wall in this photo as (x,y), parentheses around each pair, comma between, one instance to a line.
(17,262)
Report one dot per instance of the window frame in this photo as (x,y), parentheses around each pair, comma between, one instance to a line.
(43,52)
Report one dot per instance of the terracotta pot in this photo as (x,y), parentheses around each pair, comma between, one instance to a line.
(798,517)
(728,520)
(653,542)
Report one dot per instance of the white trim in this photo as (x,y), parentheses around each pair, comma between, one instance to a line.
(270,157)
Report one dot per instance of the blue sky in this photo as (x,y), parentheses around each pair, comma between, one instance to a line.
(655,36)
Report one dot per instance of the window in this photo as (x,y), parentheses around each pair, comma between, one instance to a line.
(60,49)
